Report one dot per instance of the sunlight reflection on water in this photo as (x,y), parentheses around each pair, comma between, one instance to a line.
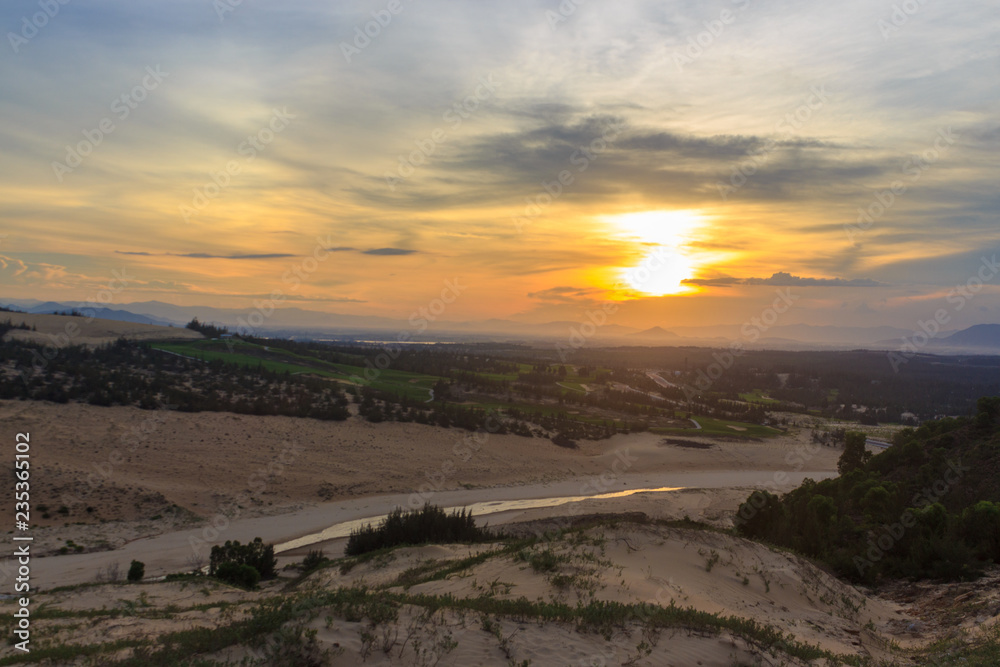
(478,509)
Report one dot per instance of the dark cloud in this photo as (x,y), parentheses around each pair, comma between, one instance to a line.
(388,251)
(784,279)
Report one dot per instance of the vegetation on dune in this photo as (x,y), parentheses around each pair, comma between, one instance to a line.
(927,507)
(136,571)
(243,564)
(431,524)
(208,330)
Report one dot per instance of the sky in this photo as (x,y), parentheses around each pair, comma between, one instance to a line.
(685,162)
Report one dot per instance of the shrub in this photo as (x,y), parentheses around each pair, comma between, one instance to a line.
(427,525)
(136,571)
(245,576)
(313,560)
(256,554)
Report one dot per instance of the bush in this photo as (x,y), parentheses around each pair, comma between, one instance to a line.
(136,571)
(244,576)
(313,560)
(256,554)
(423,526)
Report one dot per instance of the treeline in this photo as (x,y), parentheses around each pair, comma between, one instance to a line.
(133,374)
(431,524)
(927,385)
(927,507)
(7,325)
(378,406)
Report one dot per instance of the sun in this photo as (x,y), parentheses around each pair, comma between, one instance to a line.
(663,238)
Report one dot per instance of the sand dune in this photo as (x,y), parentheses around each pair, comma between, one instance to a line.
(61,330)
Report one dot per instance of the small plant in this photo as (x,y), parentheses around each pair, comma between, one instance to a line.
(544,561)
(313,560)
(136,571)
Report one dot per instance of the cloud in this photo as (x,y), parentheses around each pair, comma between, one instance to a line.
(784,279)
(563,294)
(388,251)
(205,255)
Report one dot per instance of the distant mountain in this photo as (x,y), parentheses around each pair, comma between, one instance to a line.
(653,334)
(980,335)
(51,307)
(803,333)
(297,322)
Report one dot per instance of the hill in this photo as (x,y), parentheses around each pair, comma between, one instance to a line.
(980,335)
(654,334)
(64,330)
(928,506)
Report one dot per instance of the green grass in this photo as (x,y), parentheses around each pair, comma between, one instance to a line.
(412,385)
(757,396)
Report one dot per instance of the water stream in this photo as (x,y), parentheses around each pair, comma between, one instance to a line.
(344,528)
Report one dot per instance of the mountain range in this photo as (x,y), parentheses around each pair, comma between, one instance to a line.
(297,322)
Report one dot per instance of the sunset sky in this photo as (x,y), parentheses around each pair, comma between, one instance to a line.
(709,153)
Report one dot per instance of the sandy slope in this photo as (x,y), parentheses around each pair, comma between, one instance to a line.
(146,472)
(60,331)
(627,563)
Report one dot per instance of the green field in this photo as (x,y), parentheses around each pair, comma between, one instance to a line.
(242,353)
(757,396)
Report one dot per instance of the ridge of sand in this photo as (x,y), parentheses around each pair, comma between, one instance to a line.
(64,330)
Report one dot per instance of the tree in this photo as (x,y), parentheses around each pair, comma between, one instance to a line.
(855,455)
(256,554)
(136,571)
(245,576)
